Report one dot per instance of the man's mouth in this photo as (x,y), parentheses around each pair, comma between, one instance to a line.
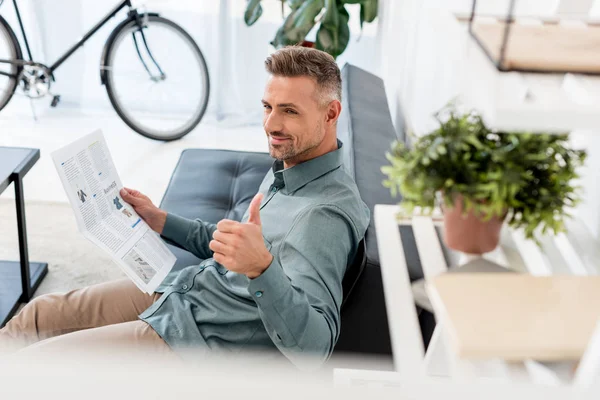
(278,139)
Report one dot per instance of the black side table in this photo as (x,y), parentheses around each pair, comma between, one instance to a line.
(18,279)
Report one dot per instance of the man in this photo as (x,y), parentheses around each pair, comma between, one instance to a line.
(273,280)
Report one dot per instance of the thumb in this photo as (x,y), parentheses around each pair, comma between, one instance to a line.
(129,196)
(254,217)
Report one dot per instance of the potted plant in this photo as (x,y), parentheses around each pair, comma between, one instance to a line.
(333,34)
(481,178)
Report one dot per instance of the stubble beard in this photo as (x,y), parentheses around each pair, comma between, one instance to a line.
(288,151)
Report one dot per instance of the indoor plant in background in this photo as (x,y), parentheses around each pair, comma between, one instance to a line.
(333,33)
(480,177)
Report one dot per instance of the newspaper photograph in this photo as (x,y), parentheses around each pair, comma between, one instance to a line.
(93,186)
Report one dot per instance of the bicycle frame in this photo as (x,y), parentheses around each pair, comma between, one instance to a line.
(72,49)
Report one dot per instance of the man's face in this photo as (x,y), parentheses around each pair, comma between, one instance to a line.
(294,119)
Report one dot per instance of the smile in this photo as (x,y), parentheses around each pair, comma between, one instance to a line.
(276,140)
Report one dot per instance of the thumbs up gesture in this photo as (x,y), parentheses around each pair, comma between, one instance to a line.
(240,247)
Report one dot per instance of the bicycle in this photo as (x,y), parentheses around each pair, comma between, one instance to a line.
(144,47)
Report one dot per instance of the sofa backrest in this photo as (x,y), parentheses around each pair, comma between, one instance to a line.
(367,131)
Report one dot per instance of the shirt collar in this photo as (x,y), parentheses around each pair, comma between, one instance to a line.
(291,179)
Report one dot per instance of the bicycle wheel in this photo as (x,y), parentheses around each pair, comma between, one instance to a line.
(9,50)
(156,78)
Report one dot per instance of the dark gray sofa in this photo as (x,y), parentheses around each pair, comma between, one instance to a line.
(217,184)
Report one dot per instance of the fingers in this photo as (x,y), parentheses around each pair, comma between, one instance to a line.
(132,192)
(133,197)
(224,242)
(217,247)
(254,210)
(221,259)
(225,238)
(228,226)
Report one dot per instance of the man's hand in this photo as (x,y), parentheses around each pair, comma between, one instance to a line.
(240,247)
(154,216)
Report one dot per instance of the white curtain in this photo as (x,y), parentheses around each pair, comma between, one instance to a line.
(234,52)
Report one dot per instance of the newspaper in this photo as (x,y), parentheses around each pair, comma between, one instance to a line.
(93,187)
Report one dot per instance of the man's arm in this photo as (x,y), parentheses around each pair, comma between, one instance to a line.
(191,235)
(300,293)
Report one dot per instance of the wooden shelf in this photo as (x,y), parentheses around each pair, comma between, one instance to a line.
(541,47)
(539,102)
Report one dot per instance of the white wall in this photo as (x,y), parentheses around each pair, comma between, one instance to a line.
(589,210)
(58,35)
(419,64)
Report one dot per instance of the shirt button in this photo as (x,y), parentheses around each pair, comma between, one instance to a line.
(259,293)
(184,287)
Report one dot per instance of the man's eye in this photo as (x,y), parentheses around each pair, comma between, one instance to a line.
(290,111)
(266,106)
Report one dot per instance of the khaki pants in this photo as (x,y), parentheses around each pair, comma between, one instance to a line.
(100,315)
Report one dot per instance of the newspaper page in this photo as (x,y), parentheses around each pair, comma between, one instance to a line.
(93,186)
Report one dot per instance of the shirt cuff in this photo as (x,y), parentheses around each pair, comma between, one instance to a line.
(270,286)
(177,228)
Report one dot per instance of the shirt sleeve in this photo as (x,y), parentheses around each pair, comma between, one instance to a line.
(193,235)
(300,293)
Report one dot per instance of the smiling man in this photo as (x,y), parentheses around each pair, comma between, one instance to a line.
(271,281)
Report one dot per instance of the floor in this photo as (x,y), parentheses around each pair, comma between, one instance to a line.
(142,163)
(73,261)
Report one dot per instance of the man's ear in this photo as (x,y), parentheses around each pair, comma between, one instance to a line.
(334,110)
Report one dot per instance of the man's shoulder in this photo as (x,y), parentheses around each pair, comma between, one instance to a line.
(338,194)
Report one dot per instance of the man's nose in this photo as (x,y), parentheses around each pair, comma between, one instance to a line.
(273,123)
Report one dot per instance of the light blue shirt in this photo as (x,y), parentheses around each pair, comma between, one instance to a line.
(313,220)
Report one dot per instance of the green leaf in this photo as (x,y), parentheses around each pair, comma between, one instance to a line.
(306,14)
(289,34)
(297,25)
(328,34)
(333,35)
(331,19)
(253,12)
(281,36)
(295,4)
(368,11)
